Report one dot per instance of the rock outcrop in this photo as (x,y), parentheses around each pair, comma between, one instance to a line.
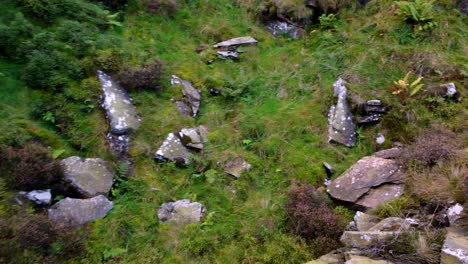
(236,167)
(235,42)
(90,177)
(278,28)
(181,212)
(121,113)
(369,183)
(192,97)
(73,212)
(364,222)
(341,127)
(455,248)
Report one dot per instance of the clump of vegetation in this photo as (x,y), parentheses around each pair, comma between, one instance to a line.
(310,217)
(405,87)
(161,7)
(29,168)
(420,13)
(137,78)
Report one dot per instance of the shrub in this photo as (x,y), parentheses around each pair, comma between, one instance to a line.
(29,168)
(419,13)
(107,60)
(148,76)
(18,31)
(115,4)
(78,35)
(436,144)
(310,217)
(35,232)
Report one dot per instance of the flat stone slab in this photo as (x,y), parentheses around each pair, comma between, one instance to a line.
(240,41)
(181,212)
(90,177)
(172,149)
(122,114)
(455,248)
(369,182)
(73,212)
(236,167)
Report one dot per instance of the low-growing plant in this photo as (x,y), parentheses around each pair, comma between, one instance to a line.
(420,13)
(407,88)
(328,21)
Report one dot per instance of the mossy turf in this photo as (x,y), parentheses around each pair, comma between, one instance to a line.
(272,112)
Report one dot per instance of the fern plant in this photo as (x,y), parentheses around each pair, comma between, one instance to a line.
(420,12)
(405,87)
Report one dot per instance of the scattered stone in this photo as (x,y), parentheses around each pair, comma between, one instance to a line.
(72,212)
(447,90)
(392,153)
(372,110)
(364,221)
(90,177)
(228,55)
(369,182)
(237,167)
(235,42)
(455,248)
(380,139)
(184,109)
(181,212)
(194,137)
(192,96)
(334,257)
(278,28)
(329,170)
(121,113)
(40,197)
(341,128)
(393,224)
(172,149)
(369,120)
(454,213)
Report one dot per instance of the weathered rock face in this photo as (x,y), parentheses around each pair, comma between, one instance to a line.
(369,182)
(278,28)
(237,167)
(181,212)
(172,149)
(121,113)
(341,128)
(364,222)
(392,153)
(235,42)
(72,212)
(455,248)
(40,197)
(355,259)
(228,55)
(191,95)
(90,177)
(194,137)
(333,257)
(454,213)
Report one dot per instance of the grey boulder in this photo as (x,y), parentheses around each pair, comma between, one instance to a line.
(455,248)
(172,149)
(194,137)
(236,167)
(369,183)
(235,42)
(122,114)
(40,197)
(181,212)
(341,128)
(90,177)
(73,212)
(192,96)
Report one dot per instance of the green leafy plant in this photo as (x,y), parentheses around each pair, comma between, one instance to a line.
(420,13)
(328,21)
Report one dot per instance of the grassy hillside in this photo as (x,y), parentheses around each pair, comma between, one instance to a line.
(272,111)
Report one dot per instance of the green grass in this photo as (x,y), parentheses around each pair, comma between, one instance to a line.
(246,221)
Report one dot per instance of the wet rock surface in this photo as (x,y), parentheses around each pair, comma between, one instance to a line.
(73,212)
(369,182)
(236,167)
(122,114)
(192,97)
(235,42)
(341,128)
(181,212)
(278,28)
(90,177)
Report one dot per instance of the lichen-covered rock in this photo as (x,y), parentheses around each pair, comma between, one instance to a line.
(90,177)
(341,127)
(40,197)
(455,248)
(122,114)
(355,259)
(454,213)
(369,182)
(334,257)
(181,212)
(192,95)
(235,42)
(364,221)
(364,239)
(236,167)
(172,149)
(194,137)
(393,224)
(72,212)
